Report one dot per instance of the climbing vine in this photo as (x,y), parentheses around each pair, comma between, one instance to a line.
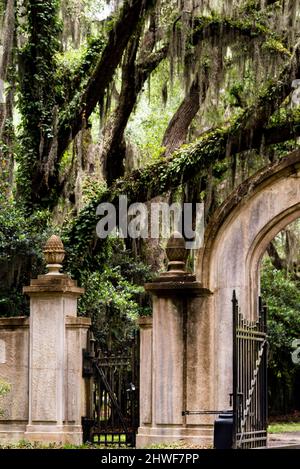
(38,93)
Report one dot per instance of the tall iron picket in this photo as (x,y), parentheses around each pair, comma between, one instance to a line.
(112,387)
(250,404)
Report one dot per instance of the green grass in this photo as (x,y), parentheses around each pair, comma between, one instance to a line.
(284,427)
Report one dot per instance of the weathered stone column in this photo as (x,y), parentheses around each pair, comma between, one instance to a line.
(57,338)
(164,354)
(146,365)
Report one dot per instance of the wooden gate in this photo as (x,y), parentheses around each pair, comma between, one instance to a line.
(250,398)
(112,381)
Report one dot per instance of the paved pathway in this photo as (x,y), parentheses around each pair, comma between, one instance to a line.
(284,439)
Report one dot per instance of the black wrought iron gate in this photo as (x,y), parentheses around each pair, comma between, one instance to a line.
(112,382)
(249,379)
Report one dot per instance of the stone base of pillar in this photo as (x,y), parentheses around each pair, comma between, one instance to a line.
(200,436)
(60,434)
(11,432)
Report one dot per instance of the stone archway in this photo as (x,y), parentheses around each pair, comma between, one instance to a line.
(186,347)
(235,241)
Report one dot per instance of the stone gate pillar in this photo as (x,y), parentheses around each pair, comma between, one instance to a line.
(167,375)
(57,337)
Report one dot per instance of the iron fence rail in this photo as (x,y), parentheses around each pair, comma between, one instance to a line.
(249,378)
(113,390)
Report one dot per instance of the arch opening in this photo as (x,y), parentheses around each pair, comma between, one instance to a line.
(279,286)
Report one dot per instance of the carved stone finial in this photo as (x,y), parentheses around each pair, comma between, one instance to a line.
(176,253)
(54,254)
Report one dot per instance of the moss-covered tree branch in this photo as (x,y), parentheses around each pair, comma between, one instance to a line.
(48,132)
(71,122)
(134,77)
(204,28)
(156,179)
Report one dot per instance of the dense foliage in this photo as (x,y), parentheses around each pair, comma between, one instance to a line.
(21,241)
(282,295)
(115,295)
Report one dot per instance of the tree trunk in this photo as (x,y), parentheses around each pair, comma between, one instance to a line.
(6,106)
(277,262)
(133,79)
(177,131)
